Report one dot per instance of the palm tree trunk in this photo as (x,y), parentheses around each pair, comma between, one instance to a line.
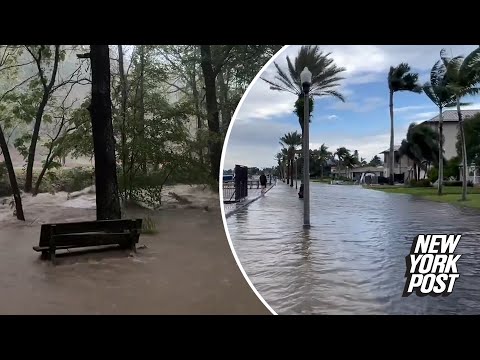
(440,153)
(288,171)
(291,169)
(392,140)
(11,175)
(464,151)
(321,171)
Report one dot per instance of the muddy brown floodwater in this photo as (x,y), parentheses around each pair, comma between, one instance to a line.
(185,268)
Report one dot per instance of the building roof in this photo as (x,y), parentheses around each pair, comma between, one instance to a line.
(363,169)
(452,116)
(395,148)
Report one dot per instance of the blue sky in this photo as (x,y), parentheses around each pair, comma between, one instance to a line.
(361,123)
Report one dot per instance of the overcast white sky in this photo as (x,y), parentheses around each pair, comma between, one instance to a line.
(361,123)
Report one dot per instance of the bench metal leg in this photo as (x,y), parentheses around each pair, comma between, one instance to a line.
(52,256)
(45,255)
(133,247)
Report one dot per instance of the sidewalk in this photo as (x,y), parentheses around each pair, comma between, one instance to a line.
(253,194)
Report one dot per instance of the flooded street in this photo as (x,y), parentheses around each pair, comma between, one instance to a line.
(185,268)
(352,260)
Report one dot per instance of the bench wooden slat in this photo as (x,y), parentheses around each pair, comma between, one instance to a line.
(64,247)
(116,226)
(92,226)
(80,240)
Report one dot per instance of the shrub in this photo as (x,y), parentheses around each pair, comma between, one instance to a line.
(148,226)
(432,174)
(420,183)
(457,183)
(73,179)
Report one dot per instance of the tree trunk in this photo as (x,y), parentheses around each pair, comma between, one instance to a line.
(292,170)
(321,171)
(464,151)
(198,113)
(13,179)
(288,171)
(123,88)
(224,108)
(440,153)
(141,111)
(38,118)
(108,204)
(214,143)
(40,177)
(392,142)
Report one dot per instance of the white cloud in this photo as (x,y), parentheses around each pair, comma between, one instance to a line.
(254,141)
(366,105)
(411,108)
(363,63)
(262,103)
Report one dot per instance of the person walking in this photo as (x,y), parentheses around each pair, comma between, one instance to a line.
(263,180)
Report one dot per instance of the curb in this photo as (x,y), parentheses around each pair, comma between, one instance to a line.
(247,203)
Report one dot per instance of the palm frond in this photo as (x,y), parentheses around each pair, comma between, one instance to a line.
(444,57)
(432,95)
(334,94)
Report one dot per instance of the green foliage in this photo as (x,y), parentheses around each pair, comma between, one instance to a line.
(376,161)
(22,144)
(432,174)
(400,78)
(421,145)
(300,107)
(472,139)
(457,183)
(74,179)
(79,142)
(451,168)
(420,183)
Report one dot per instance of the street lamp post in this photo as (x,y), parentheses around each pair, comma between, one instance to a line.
(306,80)
(296,171)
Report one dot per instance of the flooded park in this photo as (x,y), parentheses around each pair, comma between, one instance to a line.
(185,267)
(352,259)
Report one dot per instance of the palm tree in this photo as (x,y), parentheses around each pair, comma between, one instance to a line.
(399,79)
(291,141)
(442,97)
(462,76)
(323,156)
(280,161)
(421,146)
(376,161)
(349,161)
(325,78)
(342,153)
(285,162)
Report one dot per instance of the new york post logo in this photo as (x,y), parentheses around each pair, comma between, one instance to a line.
(432,265)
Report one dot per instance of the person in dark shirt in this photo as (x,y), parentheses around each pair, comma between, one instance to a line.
(263,180)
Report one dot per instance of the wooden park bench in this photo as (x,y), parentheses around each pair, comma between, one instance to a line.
(53,237)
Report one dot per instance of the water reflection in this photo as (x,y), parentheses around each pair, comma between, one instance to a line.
(352,259)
